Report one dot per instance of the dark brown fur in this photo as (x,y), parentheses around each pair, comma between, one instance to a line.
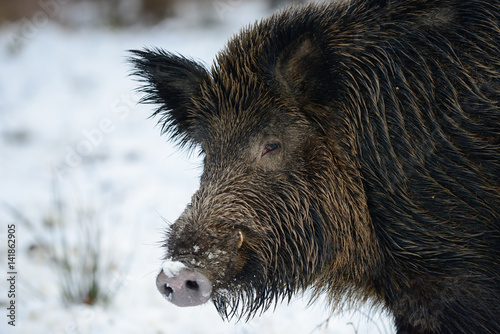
(356,148)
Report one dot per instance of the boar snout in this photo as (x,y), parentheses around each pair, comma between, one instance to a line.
(185,288)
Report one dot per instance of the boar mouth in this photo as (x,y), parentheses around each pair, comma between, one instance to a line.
(243,298)
(234,296)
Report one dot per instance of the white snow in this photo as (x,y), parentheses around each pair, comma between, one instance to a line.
(70,125)
(171,268)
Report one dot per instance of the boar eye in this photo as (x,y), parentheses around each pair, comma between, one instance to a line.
(270,147)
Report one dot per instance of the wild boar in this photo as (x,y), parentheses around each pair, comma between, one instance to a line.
(352,148)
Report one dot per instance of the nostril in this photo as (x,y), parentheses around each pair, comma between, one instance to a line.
(167,291)
(192,285)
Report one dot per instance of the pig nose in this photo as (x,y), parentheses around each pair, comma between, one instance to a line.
(185,288)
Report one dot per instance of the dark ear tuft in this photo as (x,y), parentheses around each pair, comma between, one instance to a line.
(301,72)
(172,82)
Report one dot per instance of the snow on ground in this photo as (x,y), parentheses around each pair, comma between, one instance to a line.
(70,125)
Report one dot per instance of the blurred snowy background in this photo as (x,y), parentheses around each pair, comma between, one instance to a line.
(89,183)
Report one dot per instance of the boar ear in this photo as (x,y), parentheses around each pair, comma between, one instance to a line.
(172,82)
(301,72)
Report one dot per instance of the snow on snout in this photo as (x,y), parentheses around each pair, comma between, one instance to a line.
(172,268)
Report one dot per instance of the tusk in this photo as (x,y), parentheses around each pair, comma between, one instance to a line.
(240,242)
